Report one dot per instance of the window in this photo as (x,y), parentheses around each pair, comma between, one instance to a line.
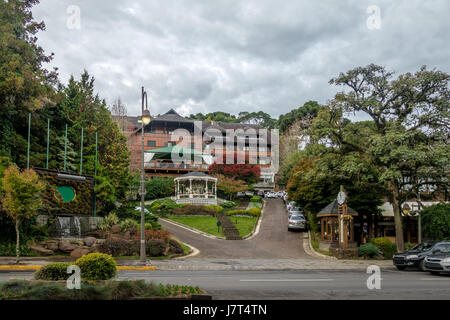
(151,143)
(168,144)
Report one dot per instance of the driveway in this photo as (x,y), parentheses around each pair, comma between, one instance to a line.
(272,242)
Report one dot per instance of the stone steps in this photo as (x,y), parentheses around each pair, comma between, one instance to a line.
(228,227)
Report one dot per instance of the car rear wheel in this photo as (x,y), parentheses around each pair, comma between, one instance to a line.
(435,272)
(401,267)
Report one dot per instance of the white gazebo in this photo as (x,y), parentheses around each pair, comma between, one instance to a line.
(196,188)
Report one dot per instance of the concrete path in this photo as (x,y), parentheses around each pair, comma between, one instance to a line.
(272,242)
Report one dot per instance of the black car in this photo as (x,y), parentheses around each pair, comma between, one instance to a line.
(414,257)
(439,260)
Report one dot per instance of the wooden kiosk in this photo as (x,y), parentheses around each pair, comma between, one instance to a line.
(337,229)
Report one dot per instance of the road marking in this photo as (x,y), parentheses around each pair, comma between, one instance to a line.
(434,279)
(286,280)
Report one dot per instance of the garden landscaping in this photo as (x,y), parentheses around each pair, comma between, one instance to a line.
(97,270)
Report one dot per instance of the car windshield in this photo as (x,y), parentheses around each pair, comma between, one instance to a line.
(444,248)
(424,246)
(297,218)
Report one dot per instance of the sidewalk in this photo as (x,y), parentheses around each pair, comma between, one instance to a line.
(192,264)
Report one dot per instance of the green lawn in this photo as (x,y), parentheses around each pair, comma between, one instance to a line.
(244,225)
(254,205)
(206,224)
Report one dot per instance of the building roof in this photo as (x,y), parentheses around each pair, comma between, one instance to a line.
(171,115)
(332,209)
(195,174)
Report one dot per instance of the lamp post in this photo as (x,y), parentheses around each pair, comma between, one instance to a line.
(145,121)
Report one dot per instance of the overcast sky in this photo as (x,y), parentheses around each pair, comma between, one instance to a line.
(225,55)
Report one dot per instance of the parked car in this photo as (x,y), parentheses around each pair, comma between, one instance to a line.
(290,205)
(414,257)
(296,222)
(439,260)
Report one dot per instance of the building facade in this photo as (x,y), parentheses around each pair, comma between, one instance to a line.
(229,141)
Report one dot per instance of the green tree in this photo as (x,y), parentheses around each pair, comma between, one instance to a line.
(436,222)
(308,111)
(22,197)
(159,188)
(409,146)
(229,186)
(25,86)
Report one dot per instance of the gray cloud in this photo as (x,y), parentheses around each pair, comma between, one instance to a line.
(224,55)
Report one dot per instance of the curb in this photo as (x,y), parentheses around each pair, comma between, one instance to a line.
(191,229)
(313,253)
(34,268)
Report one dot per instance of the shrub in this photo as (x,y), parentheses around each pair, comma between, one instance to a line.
(97,266)
(148,226)
(409,246)
(229,204)
(119,247)
(255,212)
(175,247)
(128,224)
(387,248)
(236,213)
(163,207)
(53,272)
(156,248)
(368,250)
(194,210)
(154,235)
(9,250)
(218,209)
(255,199)
(159,187)
(108,222)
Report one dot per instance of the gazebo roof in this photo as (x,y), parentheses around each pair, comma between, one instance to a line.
(195,175)
(332,209)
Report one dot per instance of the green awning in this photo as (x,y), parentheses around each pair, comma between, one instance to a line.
(166,153)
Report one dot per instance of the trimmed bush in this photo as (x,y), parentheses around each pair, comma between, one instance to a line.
(255,199)
(255,212)
(53,272)
(175,247)
(368,250)
(387,248)
(119,247)
(194,210)
(156,248)
(97,266)
(218,209)
(229,204)
(236,213)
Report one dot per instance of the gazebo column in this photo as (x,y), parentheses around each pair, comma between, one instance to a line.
(206,190)
(191,195)
(215,190)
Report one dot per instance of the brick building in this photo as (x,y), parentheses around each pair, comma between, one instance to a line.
(247,141)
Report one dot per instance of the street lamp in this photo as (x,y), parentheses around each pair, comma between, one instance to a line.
(145,121)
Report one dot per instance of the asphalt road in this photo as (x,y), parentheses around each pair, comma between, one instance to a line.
(272,242)
(305,284)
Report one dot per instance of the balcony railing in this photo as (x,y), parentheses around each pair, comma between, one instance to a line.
(176,166)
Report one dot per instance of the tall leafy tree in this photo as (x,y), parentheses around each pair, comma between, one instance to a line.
(25,86)
(410,113)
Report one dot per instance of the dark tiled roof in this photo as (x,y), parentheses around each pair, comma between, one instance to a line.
(171,115)
(195,174)
(332,208)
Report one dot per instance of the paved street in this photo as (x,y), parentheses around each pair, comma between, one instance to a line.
(272,242)
(304,284)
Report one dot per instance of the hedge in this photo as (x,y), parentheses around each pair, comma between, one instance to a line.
(53,272)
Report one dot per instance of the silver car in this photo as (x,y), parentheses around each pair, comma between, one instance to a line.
(296,222)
